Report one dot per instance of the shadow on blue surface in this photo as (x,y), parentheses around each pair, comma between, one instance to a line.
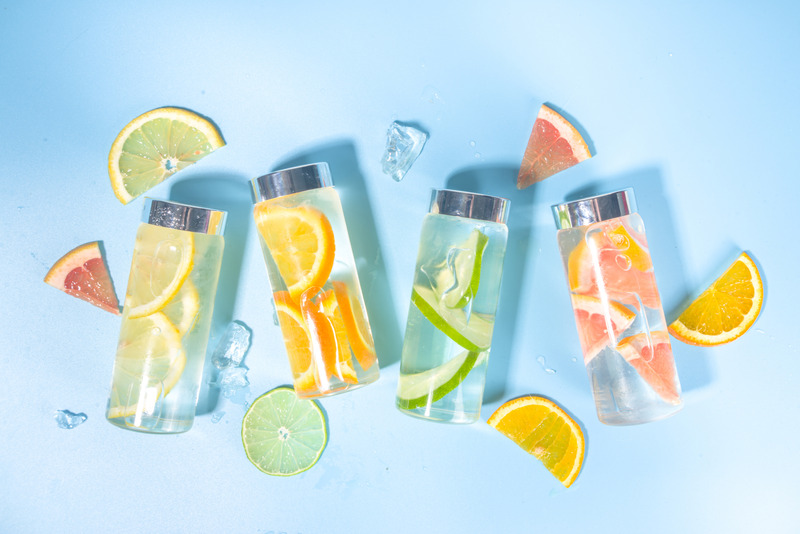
(500,180)
(348,180)
(231,193)
(652,203)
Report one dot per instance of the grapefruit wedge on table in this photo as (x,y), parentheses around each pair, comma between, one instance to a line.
(554,145)
(82,273)
(599,325)
(652,359)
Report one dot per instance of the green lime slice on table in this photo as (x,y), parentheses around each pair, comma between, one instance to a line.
(458,281)
(421,389)
(283,435)
(475,335)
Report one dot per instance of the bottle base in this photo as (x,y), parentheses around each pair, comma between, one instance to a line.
(441,416)
(163,426)
(639,417)
(336,390)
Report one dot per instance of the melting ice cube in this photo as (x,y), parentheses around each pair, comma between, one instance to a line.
(215,418)
(232,379)
(232,347)
(68,420)
(403,146)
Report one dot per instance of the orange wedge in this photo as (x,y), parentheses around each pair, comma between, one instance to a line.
(82,273)
(724,311)
(356,325)
(543,429)
(342,366)
(554,145)
(300,241)
(297,340)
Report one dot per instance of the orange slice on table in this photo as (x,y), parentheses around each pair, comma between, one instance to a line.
(543,429)
(652,359)
(300,241)
(554,145)
(355,321)
(599,326)
(724,311)
(82,273)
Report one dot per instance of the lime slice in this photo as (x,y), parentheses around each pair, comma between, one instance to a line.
(283,435)
(474,334)
(458,279)
(422,389)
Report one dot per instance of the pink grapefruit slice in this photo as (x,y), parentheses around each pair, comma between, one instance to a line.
(652,359)
(554,145)
(82,273)
(599,326)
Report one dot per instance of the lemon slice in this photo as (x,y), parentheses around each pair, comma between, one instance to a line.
(150,361)
(184,308)
(162,260)
(156,145)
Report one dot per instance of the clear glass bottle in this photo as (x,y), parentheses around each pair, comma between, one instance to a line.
(166,317)
(315,285)
(621,325)
(453,304)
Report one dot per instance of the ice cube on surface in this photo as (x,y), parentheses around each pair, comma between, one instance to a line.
(232,379)
(215,418)
(403,147)
(68,420)
(232,346)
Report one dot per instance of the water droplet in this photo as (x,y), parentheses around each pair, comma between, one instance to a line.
(156,330)
(431,95)
(472,144)
(543,364)
(623,262)
(477,155)
(574,359)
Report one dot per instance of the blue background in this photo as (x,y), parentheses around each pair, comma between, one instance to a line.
(694,104)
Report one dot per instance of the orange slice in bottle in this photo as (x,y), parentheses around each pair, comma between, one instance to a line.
(342,366)
(82,273)
(595,330)
(355,321)
(726,309)
(300,241)
(652,358)
(554,145)
(297,340)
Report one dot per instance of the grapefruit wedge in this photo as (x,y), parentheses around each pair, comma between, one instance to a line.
(554,145)
(82,273)
(598,325)
(652,359)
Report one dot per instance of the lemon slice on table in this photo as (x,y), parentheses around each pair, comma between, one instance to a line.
(156,145)
(150,361)
(162,261)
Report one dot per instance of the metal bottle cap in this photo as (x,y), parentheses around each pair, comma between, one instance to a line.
(594,209)
(184,217)
(469,205)
(289,181)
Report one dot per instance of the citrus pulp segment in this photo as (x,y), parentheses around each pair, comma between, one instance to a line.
(358,331)
(726,309)
(599,325)
(543,429)
(162,261)
(422,389)
(154,146)
(301,243)
(458,280)
(554,145)
(282,434)
(82,273)
(652,358)
(473,332)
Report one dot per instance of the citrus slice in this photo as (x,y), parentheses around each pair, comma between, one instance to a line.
(154,146)
(652,358)
(543,429)
(342,365)
(297,340)
(300,241)
(283,435)
(726,309)
(423,389)
(82,273)
(358,331)
(473,332)
(458,279)
(184,308)
(599,326)
(554,145)
(615,259)
(150,360)
(162,260)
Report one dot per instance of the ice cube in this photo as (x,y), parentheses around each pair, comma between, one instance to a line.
(232,346)
(231,380)
(403,146)
(68,420)
(215,418)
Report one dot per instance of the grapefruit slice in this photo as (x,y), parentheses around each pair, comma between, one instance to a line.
(554,145)
(652,359)
(82,273)
(599,325)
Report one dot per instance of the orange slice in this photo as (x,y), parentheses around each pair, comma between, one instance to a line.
(599,325)
(297,340)
(82,273)
(342,366)
(543,429)
(300,241)
(724,311)
(554,145)
(652,359)
(355,321)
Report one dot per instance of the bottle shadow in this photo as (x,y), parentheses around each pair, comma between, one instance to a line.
(231,193)
(695,371)
(500,180)
(348,180)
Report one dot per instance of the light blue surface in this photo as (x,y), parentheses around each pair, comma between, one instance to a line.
(695,105)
